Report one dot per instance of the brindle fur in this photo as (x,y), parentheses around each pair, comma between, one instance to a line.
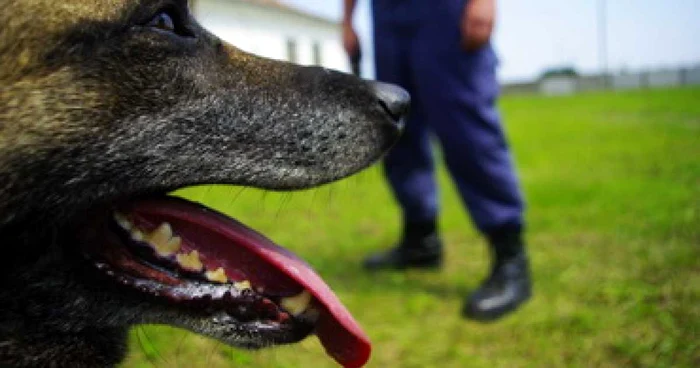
(95,108)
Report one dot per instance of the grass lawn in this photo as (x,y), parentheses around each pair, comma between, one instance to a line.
(613,186)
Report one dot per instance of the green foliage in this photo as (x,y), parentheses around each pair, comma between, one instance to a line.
(566,71)
(613,186)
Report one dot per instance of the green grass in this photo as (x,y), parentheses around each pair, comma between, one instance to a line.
(613,186)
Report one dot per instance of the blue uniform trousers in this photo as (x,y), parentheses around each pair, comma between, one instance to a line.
(417,46)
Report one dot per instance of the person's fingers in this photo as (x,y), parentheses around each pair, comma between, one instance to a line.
(477,33)
(477,23)
(350,42)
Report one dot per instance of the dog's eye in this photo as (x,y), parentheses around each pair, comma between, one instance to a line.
(170,20)
(163,21)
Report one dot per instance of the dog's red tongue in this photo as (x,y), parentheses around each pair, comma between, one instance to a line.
(246,254)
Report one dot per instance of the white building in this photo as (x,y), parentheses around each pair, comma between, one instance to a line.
(275,30)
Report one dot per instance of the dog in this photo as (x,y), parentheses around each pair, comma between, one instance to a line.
(107,106)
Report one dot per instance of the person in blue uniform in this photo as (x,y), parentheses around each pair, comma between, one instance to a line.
(440,52)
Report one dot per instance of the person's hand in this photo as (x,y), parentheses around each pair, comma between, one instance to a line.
(350,41)
(477,23)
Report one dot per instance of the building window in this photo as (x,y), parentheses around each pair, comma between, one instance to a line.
(317,54)
(292,50)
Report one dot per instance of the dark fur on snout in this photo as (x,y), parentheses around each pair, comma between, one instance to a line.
(96,107)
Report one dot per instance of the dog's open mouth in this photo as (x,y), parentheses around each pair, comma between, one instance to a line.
(199,259)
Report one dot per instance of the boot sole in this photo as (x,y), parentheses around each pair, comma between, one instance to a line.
(495,314)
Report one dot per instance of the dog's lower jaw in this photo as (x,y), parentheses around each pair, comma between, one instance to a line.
(86,348)
(58,309)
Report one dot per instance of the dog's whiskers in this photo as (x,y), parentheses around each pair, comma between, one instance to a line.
(214,347)
(178,348)
(238,194)
(330,197)
(144,348)
(284,201)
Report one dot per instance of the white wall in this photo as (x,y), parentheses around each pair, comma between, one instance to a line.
(557,86)
(264,30)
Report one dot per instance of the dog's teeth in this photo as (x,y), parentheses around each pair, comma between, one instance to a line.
(123,222)
(175,241)
(173,245)
(296,304)
(217,276)
(190,262)
(136,235)
(163,241)
(161,234)
(242,285)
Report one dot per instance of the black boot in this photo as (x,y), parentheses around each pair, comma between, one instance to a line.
(420,247)
(508,285)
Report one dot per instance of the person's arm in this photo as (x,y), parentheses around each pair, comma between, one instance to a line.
(348,11)
(350,41)
(477,23)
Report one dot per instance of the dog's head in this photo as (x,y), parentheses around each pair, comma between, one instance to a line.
(105,106)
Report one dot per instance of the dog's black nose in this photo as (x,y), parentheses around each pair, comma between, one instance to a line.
(394,100)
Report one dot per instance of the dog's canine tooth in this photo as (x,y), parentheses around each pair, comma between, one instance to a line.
(296,304)
(123,222)
(217,276)
(242,285)
(190,262)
